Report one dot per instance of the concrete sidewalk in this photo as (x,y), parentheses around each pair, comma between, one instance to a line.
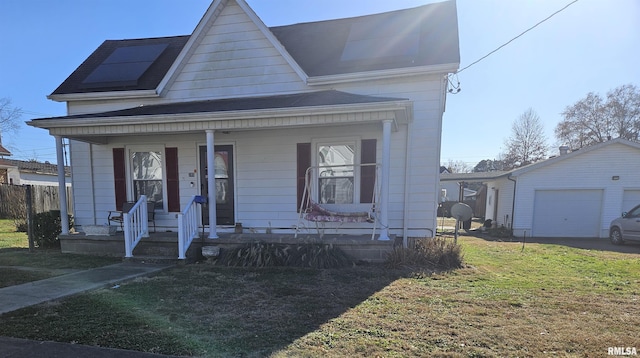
(32,293)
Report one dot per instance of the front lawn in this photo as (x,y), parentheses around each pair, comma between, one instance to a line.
(545,300)
(18,265)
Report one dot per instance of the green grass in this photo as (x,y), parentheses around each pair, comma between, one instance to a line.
(545,300)
(18,265)
(9,238)
(12,276)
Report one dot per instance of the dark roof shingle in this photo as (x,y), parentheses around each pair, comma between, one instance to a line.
(149,79)
(428,34)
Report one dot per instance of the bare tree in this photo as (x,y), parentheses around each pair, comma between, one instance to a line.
(9,116)
(527,143)
(623,109)
(457,166)
(594,120)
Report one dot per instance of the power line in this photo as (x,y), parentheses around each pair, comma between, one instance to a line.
(520,35)
(455,88)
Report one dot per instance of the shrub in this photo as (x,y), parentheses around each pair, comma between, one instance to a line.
(436,253)
(500,232)
(260,254)
(46,228)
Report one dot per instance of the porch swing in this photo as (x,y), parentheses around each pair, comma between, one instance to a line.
(312,210)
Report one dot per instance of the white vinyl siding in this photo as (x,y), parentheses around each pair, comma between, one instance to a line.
(234,59)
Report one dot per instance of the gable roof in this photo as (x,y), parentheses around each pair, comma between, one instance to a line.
(575,153)
(4,151)
(424,36)
(485,176)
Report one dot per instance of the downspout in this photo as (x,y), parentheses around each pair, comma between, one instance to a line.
(62,187)
(513,202)
(93,185)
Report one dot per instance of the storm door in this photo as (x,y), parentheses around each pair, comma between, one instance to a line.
(223,162)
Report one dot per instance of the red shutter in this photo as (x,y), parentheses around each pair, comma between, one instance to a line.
(173,181)
(303,163)
(119,177)
(367,173)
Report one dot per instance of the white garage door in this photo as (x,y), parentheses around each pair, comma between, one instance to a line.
(630,199)
(567,213)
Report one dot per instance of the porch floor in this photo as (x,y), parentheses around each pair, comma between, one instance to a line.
(165,244)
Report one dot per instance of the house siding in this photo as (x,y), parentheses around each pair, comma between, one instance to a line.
(265,174)
(234,59)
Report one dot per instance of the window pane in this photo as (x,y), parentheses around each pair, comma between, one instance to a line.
(146,172)
(336,174)
(146,165)
(336,190)
(151,188)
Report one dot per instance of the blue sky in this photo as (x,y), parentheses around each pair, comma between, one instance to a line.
(592,46)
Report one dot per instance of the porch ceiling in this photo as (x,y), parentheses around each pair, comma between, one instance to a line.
(322,108)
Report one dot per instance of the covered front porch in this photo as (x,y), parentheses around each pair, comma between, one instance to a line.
(260,137)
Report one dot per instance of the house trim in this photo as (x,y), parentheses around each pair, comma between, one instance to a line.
(398,112)
(374,75)
(93,96)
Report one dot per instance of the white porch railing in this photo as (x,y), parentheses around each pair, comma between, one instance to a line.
(136,225)
(187,227)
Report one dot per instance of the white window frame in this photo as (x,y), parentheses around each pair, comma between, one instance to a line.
(129,170)
(315,182)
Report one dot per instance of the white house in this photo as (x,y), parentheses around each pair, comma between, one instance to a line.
(572,195)
(237,112)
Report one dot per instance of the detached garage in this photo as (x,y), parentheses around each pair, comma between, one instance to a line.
(572,195)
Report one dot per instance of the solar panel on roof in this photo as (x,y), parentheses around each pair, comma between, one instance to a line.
(393,39)
(124,66)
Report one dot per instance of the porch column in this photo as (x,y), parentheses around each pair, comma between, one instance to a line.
(62,187)
(211,184)
(384,179)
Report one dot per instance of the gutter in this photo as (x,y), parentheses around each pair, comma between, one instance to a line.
(513,203)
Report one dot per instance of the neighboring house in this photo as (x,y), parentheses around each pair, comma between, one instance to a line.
(450,183)
(38,173)
(5,167)
(237,111)
(575,194)
(21,172)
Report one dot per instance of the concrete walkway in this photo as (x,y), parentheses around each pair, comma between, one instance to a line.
(32,293)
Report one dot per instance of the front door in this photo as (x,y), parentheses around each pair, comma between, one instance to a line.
(224,184)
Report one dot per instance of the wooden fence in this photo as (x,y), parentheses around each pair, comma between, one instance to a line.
(13,203)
